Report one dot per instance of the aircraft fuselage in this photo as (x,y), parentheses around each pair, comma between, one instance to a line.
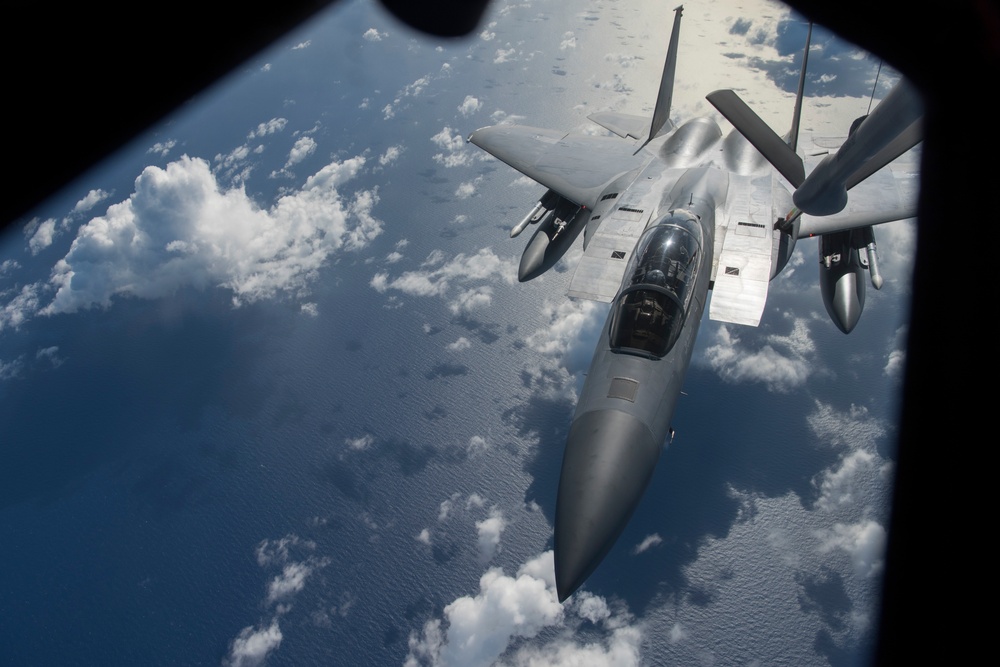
(624,411)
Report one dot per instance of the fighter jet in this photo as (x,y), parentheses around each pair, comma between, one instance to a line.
(668,213)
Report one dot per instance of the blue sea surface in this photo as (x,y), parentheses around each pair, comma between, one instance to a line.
(178,439)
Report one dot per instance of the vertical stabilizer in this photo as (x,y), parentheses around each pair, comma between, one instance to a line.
(661,114)
(793,134)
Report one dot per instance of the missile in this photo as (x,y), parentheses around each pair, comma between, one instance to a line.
(534,215)
(873,266)
(548,202)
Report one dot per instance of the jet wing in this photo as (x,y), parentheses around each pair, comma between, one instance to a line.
(576,166)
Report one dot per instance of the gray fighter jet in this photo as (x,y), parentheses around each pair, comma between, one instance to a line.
(685,211)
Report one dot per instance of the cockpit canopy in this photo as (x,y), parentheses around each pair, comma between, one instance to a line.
(658,286)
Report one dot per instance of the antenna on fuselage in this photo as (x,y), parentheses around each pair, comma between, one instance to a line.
(793,134)
(874,85)
(661,113)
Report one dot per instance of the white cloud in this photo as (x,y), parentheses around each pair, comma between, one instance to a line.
(233,159)
(480,628)
(373,35)
(563,322)
(291,580)
(503,55)
(483,266)
(302,45)
(277,552)
(568,41)
(864,542)
(461,344)
(854,428)
(591,607)
(251,646)
(444,509)
(782,364)
(469,106)
(477,444)
(94,197)
(452,142)
(424,536)
(487,35)
(43,234)
(388,112)
(363,442)
(472,299)
(648,542)
(303,148)
(467,189)
(490,530)
(391,154)
(839,488)
(269,127)
(310,309)
(474,500)
(622,649)
(51,354)
(180,228)
(415,88)
(10,369)
(162,148)
(476,631)
(895,362)
(393,257)
(21,307)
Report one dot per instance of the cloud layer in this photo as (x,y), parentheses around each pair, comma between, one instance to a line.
(181,229)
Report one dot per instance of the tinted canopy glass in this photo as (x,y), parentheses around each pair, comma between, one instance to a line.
(658,286)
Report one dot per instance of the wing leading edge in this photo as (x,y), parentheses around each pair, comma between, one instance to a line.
(578,167)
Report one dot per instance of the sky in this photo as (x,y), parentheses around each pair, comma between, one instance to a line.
(271,393)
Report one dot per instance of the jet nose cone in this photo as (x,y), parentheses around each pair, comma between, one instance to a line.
(609,459)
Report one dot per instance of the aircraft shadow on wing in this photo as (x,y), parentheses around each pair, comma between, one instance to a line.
(668,213)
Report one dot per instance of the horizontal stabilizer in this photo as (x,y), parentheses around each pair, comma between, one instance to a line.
(625,125)
(757,132)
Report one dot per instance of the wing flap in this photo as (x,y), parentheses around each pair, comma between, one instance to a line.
(578,167)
